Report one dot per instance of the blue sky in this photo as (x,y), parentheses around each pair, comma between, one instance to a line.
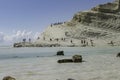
(34,16)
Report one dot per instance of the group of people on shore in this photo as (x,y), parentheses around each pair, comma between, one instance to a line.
(24,40)
(83,42)
(87,43)
(58,23)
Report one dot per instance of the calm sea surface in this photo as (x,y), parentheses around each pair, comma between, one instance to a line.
(41,63)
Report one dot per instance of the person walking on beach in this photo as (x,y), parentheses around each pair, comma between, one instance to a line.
(81,41)
(112,43)
(51,25)
(71,41)
(84,42)
(91,41)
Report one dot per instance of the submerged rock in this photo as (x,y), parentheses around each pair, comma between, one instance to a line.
(70,79)
(118,55)
(60,53)
(65,61)
(8,78)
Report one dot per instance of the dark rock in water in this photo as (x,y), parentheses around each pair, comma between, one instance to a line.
(8,78)
(70,79)
(77,58)
(60,53)
(65,61)
(118,55)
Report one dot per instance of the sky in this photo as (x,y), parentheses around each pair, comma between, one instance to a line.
(29,18)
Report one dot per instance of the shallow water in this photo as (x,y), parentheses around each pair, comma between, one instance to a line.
(41,64)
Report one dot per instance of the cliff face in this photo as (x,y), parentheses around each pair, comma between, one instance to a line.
(106,16)
(108,21)
(101,23)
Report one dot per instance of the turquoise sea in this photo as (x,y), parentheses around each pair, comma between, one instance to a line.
(100,63)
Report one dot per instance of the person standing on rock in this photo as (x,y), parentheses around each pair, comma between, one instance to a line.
(87,43)
(84,41)
(43,38)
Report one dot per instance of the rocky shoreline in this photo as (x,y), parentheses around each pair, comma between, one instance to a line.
(11,78)
(18,45)
(79,44)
